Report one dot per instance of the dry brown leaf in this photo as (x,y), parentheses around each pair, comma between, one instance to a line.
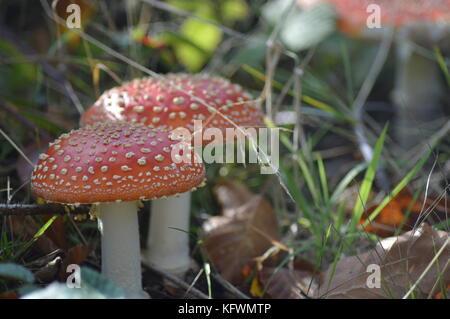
(298,283)
(49,272)
(288,284)
(231,195)
(75,255)
(56,232)
(394,215)
(247,228)
(25,228)
(402,261)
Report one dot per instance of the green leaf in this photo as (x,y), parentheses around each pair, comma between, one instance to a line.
(308,28)
(202,35)
(251,53)
(184,5)
(93,286)
(234,10)
(301,30)
(99,282)
(60,291)
(11,270)
(274,10)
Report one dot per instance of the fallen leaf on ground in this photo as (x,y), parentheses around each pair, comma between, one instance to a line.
(439,295)
(288,284)
(56,232)
(401,260)
(247,228)
(75,255)
(282,283)
(48,273)
(53,240)
(231,195)
(401,212)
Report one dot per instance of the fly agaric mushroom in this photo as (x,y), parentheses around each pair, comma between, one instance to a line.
(175,100)
(417,91)
(114,165)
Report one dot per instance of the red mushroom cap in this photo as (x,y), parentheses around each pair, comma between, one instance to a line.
(160,103)
(113,161)
(353,13)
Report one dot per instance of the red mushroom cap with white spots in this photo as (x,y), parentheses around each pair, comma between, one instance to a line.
(114,161)
(353,14)
(176,100)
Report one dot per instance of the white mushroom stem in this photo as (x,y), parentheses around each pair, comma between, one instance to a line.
(121,262)
(168,239)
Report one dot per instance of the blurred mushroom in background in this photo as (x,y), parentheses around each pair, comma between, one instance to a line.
(420,27)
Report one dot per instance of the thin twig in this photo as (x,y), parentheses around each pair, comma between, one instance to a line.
(41,209)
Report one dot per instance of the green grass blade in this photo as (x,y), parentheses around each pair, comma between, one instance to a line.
(441,61)
(38,234)
(346,181)
(367,183)
(323,179)
(308,176)
(397,188)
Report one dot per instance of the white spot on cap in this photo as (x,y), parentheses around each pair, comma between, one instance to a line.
(138,109)
(142,161)
(178,100)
